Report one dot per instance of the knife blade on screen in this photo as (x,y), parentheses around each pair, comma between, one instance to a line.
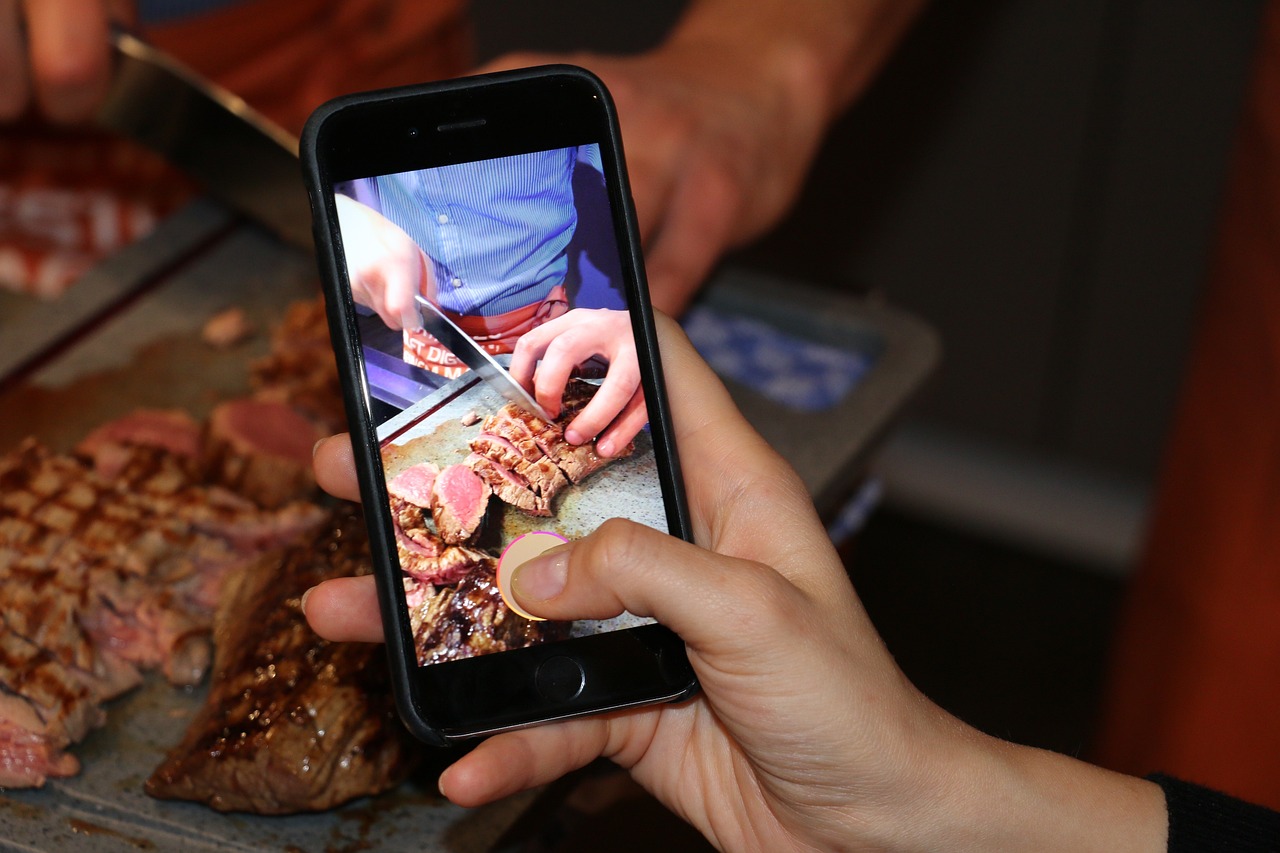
(474,356)
(240,157)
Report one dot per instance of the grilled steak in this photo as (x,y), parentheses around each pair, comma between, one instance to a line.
(101,578)
(472,619)
(459,499)
(300,369)
(526,461)
(292,722)
(260,449)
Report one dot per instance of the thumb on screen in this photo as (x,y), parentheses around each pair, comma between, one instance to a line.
(702,596)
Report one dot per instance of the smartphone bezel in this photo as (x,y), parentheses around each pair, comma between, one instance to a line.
(457,121)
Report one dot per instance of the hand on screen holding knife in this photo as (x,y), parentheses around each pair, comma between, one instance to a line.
(55,53)
(545,357)
(806,735)
(386,267)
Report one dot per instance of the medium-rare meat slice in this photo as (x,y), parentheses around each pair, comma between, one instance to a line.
(423,554)
(472,619)
(260,449)
(44,707)
(413,484)
(459,499)
(292,722)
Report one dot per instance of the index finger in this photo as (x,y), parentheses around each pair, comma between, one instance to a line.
(70,58)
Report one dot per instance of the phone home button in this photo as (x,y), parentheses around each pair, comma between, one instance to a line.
(559,679)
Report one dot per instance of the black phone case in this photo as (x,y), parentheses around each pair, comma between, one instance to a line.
(341,317)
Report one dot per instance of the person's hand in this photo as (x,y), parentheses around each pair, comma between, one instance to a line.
(722,121)
(805,735)
(54,53)
(545,357)
(716,150)
(386,267)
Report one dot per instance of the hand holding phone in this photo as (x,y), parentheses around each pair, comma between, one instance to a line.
(805,736)
(501,200)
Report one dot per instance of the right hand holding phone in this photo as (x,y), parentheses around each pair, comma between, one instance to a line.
(805,730)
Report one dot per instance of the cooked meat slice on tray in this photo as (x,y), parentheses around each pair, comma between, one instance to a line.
(260,449)
(291,722)
(423,554)
(301,370)
(45,707)
(101,577)
(526,461)
(459,499)
(472,619)
(413,484)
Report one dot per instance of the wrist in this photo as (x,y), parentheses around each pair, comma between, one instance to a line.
(1010,798)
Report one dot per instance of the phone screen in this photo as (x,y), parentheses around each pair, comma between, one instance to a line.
(503,378)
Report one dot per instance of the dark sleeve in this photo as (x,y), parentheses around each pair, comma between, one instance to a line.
(1203,820)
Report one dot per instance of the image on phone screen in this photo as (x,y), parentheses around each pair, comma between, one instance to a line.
(502,376)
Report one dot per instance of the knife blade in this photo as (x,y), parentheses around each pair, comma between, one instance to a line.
(241,158)
(474,356)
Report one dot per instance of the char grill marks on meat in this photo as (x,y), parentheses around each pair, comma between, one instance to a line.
(423,554)
(292,722)
(526,460)
(471,619)
(101,577)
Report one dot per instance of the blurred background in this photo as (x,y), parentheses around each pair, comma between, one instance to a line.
(1039,181)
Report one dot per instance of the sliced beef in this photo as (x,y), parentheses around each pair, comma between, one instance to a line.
(292,722)
(423,554)
(261,449)
(101,578)
(509,486)
(526,460)
(472,619)
(171,430)
(459,499)
(300,370)
(413,484)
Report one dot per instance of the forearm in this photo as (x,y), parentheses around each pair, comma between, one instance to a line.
(825,51)
(1015,798)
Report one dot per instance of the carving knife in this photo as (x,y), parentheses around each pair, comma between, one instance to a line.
(240,157)
(474,356)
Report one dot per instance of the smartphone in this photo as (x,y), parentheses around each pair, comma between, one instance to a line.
(488,306)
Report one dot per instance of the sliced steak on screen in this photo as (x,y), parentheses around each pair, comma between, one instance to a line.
(423,554)
(292,722)
(472,619)
(459,498)
(526,461)
(413,484)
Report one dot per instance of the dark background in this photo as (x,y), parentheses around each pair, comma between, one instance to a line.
(1039,181)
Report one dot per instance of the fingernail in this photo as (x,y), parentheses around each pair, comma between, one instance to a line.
(315,447)
(604,448)
(573,436)
(305,596)
(543,577)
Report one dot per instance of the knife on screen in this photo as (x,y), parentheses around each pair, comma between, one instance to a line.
(474,356)
(240,157)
